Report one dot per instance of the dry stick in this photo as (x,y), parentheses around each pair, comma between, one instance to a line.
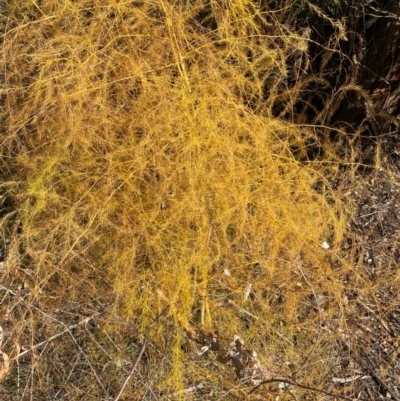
(66,380)
(67,330)
(151,379)
(379,380)
(385,386)
(246,312)
(298,258)
(133,369)
(293,383)
(372,367)
(144,346)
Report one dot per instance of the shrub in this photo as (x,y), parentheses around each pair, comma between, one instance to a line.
(150,171)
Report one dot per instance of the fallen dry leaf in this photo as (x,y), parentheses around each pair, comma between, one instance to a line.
(5,366)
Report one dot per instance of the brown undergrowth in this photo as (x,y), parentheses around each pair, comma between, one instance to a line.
(152,179)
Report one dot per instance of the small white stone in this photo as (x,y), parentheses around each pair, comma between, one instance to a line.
(325,245)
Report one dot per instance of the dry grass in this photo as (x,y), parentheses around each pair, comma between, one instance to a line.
(148,170)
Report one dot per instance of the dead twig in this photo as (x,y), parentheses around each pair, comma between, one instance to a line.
(303,386)
(145,343)
(371,371)
(349,379)
(308,357)
(385,386)
(67,330)
(244,311)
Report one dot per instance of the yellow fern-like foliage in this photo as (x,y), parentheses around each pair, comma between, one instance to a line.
(151,171)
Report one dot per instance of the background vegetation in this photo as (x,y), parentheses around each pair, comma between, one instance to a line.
(175,173)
